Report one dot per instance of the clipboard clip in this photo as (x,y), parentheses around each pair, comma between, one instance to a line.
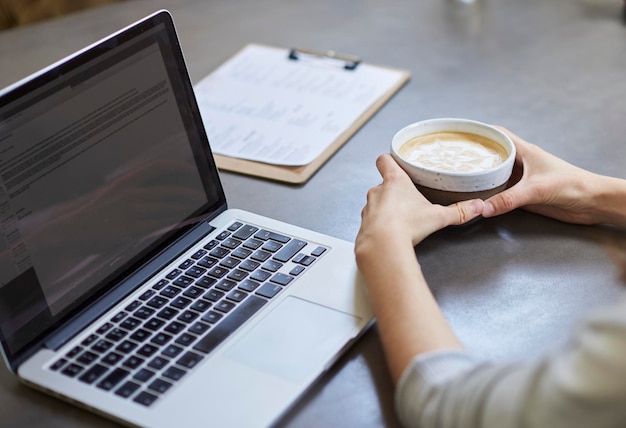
(350,62)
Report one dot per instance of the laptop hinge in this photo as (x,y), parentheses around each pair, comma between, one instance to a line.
(85,318)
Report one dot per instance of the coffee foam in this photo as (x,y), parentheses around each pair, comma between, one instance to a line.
(453,152)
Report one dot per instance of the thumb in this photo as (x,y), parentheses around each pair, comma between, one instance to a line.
(464,211)
(505,201)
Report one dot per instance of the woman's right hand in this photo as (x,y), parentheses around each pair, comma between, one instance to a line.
(551,187)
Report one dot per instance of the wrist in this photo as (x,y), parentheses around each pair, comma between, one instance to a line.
(609,200)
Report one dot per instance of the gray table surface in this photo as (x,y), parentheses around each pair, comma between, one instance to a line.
(513,287)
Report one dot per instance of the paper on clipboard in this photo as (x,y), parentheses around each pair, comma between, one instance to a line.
(262,106)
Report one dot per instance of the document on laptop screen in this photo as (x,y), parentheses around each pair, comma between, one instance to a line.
(92,171)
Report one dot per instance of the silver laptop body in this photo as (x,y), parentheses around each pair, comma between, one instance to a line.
(126,285)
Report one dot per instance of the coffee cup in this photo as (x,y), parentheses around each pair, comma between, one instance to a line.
(451,160)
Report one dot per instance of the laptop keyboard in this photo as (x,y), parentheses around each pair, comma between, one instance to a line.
(143,350)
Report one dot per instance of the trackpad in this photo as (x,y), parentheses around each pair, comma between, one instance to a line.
(295,340)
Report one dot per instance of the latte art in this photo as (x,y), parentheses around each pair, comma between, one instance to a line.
(454,152)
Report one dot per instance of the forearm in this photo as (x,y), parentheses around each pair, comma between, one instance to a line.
(609,200)
(408,317)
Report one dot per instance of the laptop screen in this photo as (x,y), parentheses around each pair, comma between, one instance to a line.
(102,161)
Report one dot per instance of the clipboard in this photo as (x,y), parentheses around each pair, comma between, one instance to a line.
(298,174)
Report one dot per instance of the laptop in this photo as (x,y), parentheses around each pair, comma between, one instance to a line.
(127,286)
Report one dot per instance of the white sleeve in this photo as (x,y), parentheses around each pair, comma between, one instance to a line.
(583,385)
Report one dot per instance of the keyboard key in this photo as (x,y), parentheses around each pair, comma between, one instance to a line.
(188,316)
(200,305)
(147,350)
(249,285)
(91,375)
(133,362)
(289,250)
(307,261)
(172,351)
(189,360)
(297,270)
(269,290)
(245,232)
(144,313)
(237,317)
(223,235)
(236,295)
(158,363)
(218,272)
(208,262)
(212,244)
(175,327)
(230,262)
(226,285)
(112,379)
(281,279)
(140,335)
(127,389)
(72,370)
(212,317)
(119,316)
(199,328)
(260,275)
(74,352)
(198,254)
(89,340)
(126,346)
(272,265)
(101,346)
(104,328)
(237,275)
(183,281)
(193,292)
(144,375)
(272,246)
(253,243)
(160,386)
(134,305)
(146,295)
(154,324)
(241,253)
(231,243)
(260,255)
(318,251)
(206,282)
(173,274)
(130,323)
(195,272)
(159,285)
(174,373)
(236,225)
(145,398)
(219,252)
(161,338)
(184,265)
(157,302)
(112,358)
(167,313)
(186,339)
(87,358)
(170,291)
(213,295)
(181,302)
(58,364)
(116,334)
(249,265)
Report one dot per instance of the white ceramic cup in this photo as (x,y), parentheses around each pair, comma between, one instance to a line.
(446,187)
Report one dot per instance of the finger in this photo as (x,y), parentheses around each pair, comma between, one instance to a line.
(508,200)
(388,167)
(464,211)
